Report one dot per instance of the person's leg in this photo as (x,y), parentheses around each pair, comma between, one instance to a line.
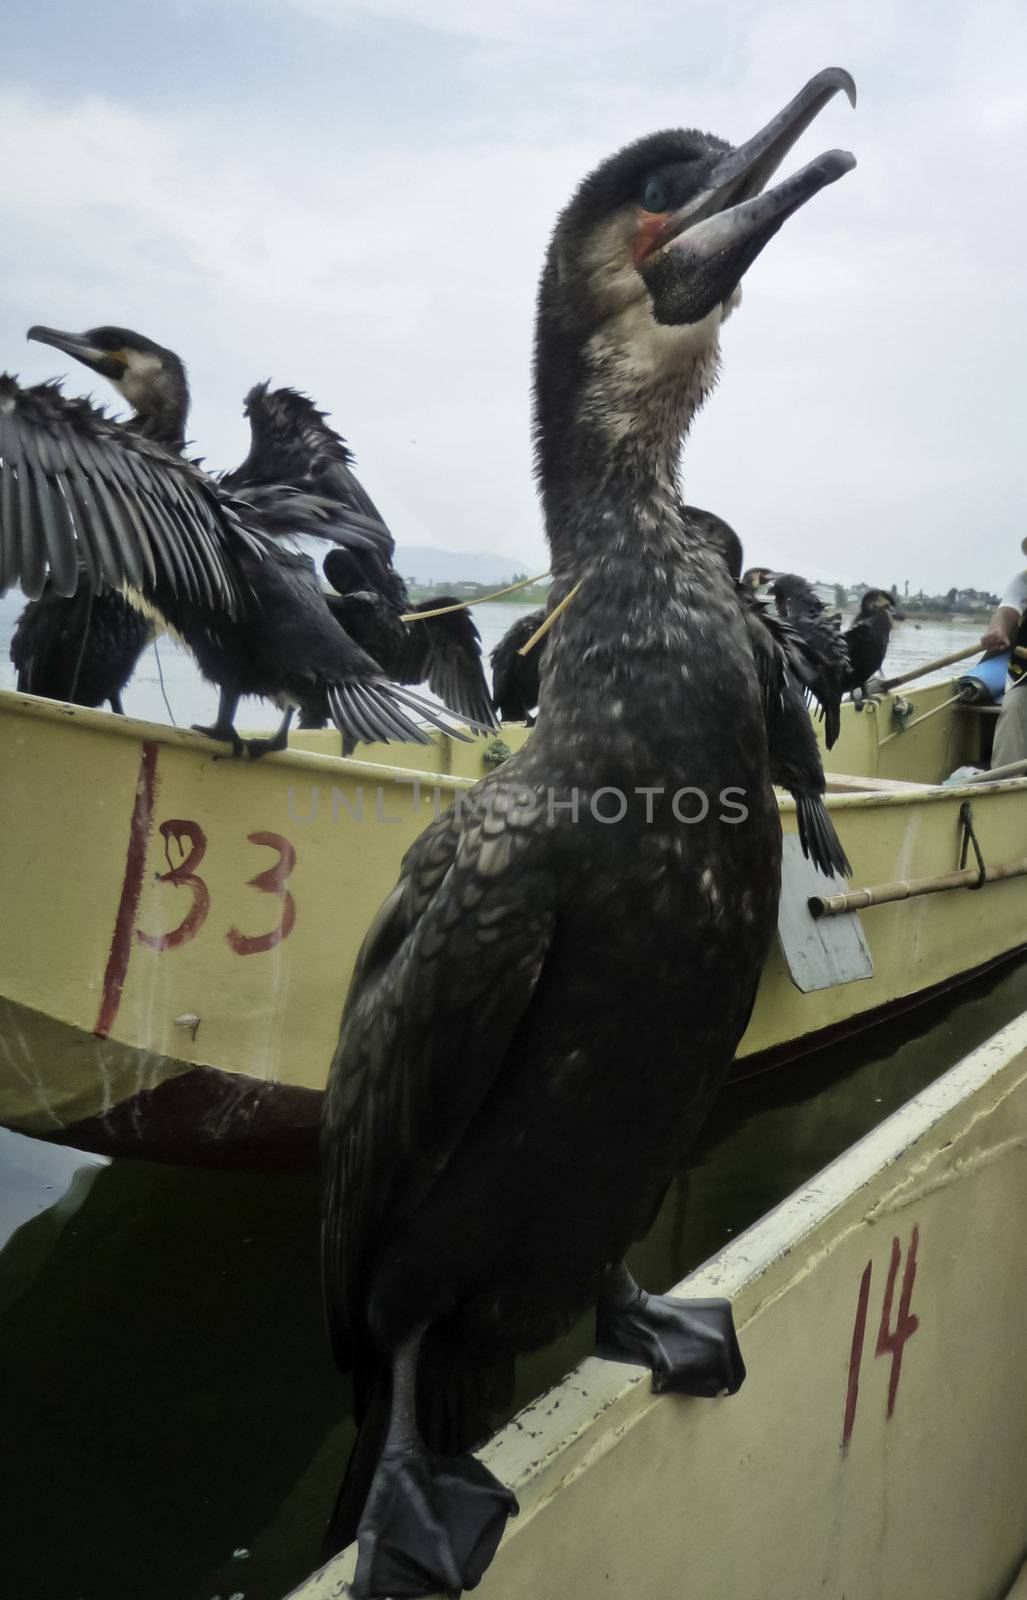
(1011,728)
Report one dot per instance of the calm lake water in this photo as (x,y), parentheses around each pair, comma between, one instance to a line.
(172,1425)
(192,700)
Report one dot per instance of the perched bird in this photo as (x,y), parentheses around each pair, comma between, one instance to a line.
(292,443)
(515,678)
(444,651)
(866,641)
(119,499)
(548,1001)
(824,656)
(81,647)
(84,647)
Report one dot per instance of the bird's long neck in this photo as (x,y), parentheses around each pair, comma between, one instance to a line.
(162,416)
(654,621)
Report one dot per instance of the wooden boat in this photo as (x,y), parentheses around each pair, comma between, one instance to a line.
(179,927)
(877,1445)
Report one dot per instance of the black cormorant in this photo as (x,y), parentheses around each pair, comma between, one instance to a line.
(548,1001)
(81,647)
(76,487)
(84,647)
(866,641)
(443,651)
(515,678)
(824,652)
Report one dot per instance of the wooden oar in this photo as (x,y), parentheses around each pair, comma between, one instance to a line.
(1012,769)
(942,661)
(835,905)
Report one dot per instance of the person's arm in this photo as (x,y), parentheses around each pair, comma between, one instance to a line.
(1001,629)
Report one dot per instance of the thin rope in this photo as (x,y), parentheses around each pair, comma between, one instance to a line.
(164,692)
(544,627)
(82,646)
(479,600)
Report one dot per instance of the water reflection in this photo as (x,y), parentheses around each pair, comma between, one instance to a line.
(169,1399)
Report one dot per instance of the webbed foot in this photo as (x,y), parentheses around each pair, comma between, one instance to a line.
(255,748)
(689,1346)
(431,1523)
(222,735)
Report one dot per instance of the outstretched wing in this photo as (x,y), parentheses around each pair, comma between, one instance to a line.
(446,972)
(292,447)
(445,652)
(76,486)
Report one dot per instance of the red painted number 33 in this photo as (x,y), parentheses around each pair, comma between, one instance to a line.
(191,843)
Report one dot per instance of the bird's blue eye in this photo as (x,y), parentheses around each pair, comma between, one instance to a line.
(654,195)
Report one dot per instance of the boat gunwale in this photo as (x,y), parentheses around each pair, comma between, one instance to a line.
(36,706)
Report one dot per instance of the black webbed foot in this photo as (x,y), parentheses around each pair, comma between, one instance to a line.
(431,1523)
(223,736)
(255,748)
(689,1346)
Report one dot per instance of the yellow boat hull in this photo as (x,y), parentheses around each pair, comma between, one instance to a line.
(180,927)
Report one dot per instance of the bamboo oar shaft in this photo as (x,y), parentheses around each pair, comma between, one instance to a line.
(917,720)
(942,661)
(479,600)
(544,627)
(1012,769)
(834,905)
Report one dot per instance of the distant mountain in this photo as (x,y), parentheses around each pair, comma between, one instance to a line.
(427,565)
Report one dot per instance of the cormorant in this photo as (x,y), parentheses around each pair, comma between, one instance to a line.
(548,1001)
(82,647)
(515,678)
(790,668)
(824,652)
(866,641)
(443,651)
(119,498)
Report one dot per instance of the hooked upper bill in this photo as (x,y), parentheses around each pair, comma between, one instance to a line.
(704,246)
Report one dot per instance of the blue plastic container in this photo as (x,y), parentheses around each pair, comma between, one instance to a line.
(987,676)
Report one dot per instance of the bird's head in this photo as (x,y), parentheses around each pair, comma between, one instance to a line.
(646,261)
(880,600)
(151,378)
(757,577)
(713,530)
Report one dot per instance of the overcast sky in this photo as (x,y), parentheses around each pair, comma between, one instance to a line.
(355,199)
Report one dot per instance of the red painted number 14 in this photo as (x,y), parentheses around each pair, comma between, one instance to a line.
(891,1341)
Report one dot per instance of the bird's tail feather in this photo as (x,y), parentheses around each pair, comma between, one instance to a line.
(374,711)
(360,1469)
(820,843)
(446,651)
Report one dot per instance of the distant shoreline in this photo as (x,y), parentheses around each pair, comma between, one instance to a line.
(474,593)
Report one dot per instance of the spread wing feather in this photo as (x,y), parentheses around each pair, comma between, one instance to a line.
(75,485)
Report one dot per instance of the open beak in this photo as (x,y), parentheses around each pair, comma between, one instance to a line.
(106,362)
(731,216)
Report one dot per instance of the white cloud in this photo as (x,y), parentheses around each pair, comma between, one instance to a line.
(866,417)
